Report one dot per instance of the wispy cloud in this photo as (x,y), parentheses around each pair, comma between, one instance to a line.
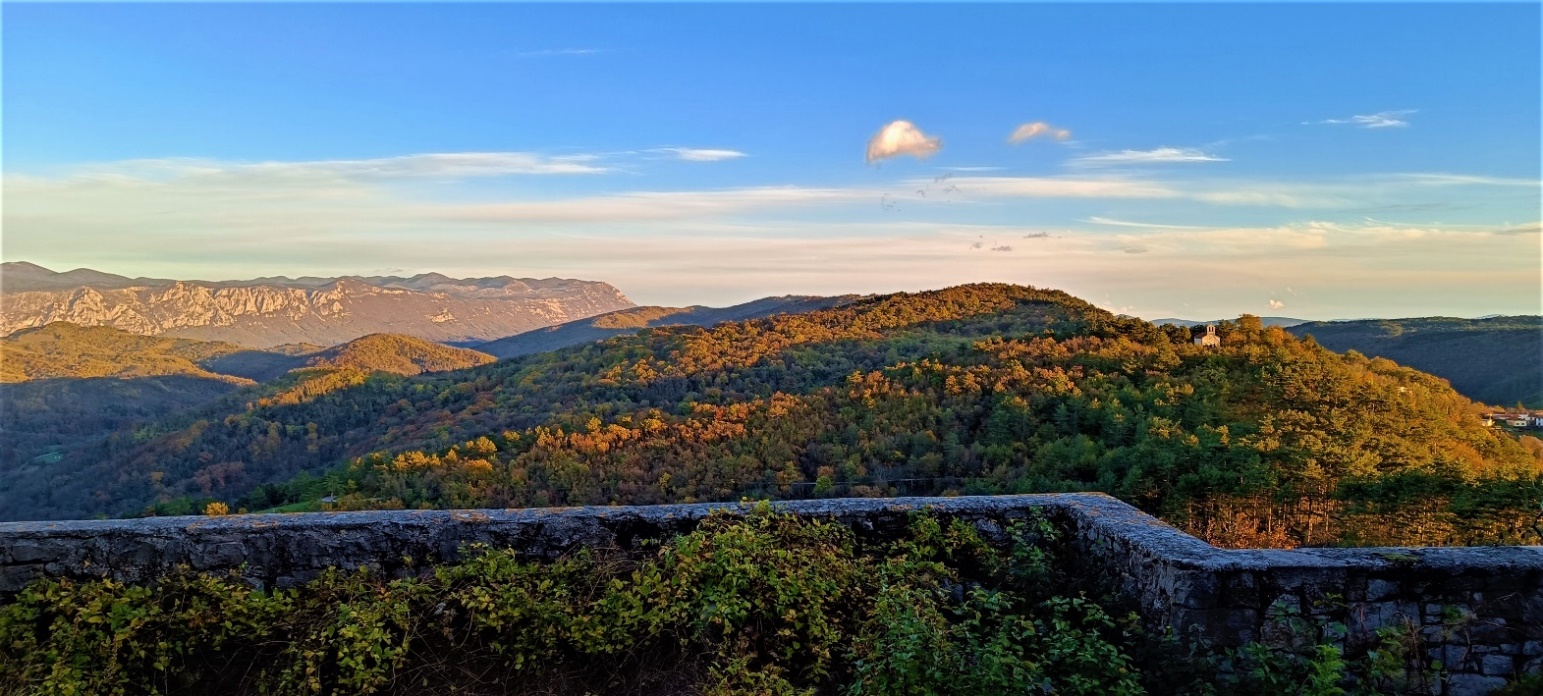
(1467,179)
(1382,119)
(559,52)
(1277,304)
(1035,129)
(901,138)
(424,166)
(648,206)
(1535,228)
(1061,187)
(1162,155)
(1144,225)
(691,154)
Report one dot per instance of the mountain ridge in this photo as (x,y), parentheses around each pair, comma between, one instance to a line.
(268,312)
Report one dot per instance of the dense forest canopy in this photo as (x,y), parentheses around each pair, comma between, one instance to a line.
(1268,439)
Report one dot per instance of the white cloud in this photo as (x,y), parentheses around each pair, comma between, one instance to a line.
(1162,155)
(902,138)
(691,154)
(1381,119)
(1277,304)
(1029,131)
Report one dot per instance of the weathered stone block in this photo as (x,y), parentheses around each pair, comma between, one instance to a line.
(1497,665)
(1472,684)
(1379,590)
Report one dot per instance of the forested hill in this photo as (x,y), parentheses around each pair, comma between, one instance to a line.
(63,350)
(397,354)
(69,386)
(980,388)
(1494,360)
(631,320)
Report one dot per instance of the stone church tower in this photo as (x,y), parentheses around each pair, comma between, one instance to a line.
(1210,339)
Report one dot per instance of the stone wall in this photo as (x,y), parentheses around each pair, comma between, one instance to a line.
(1478,610)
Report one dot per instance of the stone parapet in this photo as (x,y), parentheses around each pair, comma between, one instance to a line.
(1479,610)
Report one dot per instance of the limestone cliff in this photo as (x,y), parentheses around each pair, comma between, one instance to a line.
(327,311)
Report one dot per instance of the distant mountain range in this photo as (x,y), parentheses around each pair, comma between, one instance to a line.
(266,312)
(634,319)
(1282,322)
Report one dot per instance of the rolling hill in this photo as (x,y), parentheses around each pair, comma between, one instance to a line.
(396,354)
(62,350)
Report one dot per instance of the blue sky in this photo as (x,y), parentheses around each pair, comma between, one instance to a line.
(1322,161)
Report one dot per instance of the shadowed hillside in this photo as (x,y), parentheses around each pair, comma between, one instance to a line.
(70,386)
(46,421)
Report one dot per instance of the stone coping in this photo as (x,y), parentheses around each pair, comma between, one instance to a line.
(1093,513)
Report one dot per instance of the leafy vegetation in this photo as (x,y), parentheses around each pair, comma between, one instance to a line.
(1492,360)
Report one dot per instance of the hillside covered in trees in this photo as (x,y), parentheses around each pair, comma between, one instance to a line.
(1494,360)
(61,350)
(70,386)
(975,389)
(398,355)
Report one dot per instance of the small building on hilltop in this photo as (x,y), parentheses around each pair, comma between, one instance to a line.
(1209,339)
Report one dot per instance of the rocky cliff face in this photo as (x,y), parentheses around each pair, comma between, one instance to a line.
(276,311)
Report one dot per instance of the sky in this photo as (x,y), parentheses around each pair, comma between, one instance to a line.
(1320,161)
